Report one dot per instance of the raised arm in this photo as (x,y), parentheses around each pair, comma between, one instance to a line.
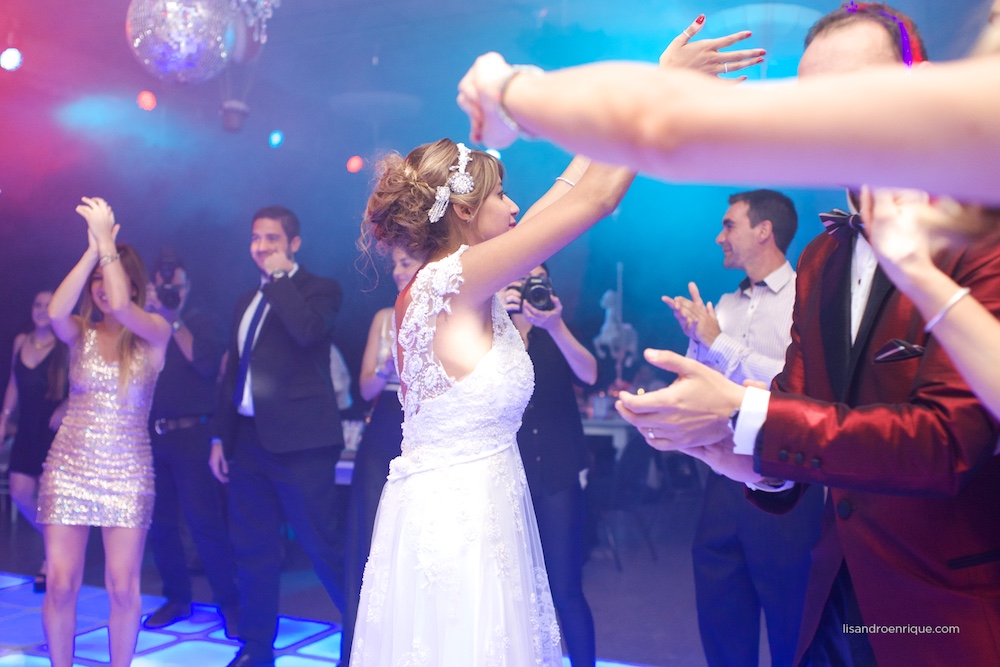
(564,181)
(65,324)
(151,327)
(932,128)
(902,237)
(492,265)
(309,314)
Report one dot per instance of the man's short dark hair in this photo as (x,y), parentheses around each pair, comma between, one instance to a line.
(289,221)
(771,205)
(896,24)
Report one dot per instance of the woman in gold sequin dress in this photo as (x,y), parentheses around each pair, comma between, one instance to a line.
(99,471)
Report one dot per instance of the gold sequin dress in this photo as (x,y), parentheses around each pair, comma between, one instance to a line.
(99,471)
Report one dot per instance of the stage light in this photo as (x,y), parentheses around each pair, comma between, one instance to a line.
(276,138)
(146,100)
(355,163)
(11,59)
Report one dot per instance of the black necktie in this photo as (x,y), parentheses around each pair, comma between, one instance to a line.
(838,222)
(244,368)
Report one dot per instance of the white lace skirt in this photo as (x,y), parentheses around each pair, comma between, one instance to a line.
(455,577)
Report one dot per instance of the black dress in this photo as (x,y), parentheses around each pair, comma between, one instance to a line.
(553,450)
(34,437)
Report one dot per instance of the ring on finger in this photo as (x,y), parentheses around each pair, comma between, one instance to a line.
(686,33)
(726,67)
(650,434)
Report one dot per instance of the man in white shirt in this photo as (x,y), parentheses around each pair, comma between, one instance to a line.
(746,560)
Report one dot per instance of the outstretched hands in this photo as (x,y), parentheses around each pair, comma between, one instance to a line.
(705,55)
(693,411)
(479,91)
(697,319)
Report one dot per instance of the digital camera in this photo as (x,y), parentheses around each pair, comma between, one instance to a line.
(537,290)
(168,294)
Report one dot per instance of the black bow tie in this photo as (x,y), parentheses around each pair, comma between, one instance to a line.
(839,222)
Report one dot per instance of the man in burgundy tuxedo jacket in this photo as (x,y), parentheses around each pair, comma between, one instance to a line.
(869,405)
(908,454)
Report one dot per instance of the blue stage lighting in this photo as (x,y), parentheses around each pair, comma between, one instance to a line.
(276,138)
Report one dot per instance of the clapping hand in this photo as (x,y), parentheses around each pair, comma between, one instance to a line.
(704,55)
(101,227)
(698,320)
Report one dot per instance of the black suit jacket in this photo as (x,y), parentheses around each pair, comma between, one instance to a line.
(295,407)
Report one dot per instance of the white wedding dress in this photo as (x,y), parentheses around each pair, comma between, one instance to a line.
(455,577)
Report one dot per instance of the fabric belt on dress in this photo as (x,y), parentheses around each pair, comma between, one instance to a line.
(395,474)
(163,426)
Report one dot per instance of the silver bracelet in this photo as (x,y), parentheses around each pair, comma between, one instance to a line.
(108,259)
(955,298)
(501,109)
(566,181)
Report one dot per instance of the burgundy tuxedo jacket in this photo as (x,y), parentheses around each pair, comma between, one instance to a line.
(907,452)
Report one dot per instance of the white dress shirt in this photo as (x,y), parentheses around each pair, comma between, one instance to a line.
(245,407)
(756,324)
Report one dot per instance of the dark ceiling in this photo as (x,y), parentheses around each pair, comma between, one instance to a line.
(343,78)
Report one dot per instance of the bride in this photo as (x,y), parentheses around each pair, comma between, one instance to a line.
(455,575)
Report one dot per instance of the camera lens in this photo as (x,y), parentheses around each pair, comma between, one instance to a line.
(168,296)
(538,292)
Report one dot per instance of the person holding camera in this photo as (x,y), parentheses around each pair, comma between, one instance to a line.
(553,450)
(181,437)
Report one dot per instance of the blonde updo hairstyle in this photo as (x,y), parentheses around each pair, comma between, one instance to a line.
(396,214)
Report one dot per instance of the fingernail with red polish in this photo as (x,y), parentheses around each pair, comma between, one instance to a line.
(700,19)
(749,33)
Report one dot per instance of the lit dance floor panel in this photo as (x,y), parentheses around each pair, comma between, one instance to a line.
(197,641)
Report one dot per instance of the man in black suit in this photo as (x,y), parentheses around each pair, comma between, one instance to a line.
(278,434)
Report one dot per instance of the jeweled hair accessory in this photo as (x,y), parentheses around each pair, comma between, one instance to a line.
(461,183)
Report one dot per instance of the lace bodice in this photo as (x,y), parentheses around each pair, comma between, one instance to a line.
(448,419)
(456,573)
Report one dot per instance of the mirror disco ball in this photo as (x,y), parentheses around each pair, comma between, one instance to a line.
(181,41)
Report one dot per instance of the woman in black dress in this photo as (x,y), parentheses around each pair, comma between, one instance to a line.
(553,450)
(37,387)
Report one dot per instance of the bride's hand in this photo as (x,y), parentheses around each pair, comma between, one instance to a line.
(704,55)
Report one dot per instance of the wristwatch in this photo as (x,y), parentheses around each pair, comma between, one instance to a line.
(279,273)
